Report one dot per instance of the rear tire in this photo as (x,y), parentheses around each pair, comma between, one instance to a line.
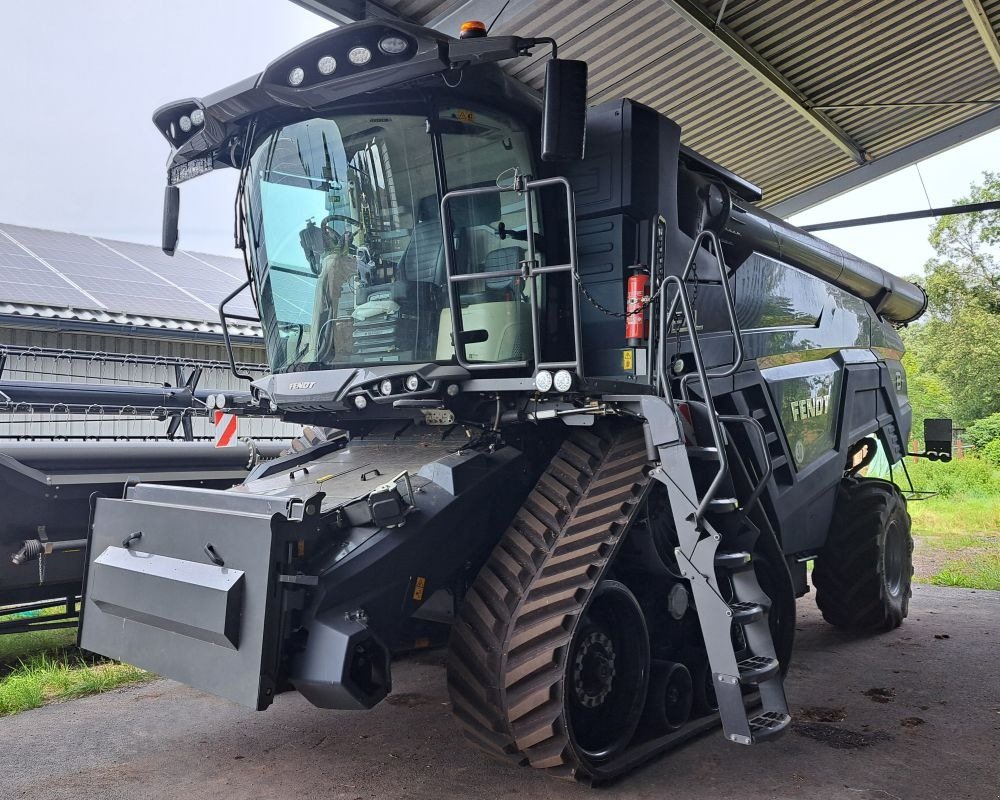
(863,574)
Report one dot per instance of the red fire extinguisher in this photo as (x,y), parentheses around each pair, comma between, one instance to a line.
(636,327)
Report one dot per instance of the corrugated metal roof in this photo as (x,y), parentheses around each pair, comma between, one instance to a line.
(887,73)
(65,276)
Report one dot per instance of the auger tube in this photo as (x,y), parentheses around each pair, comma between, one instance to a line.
(892,297)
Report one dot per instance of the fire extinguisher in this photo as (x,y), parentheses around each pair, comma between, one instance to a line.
(636,327)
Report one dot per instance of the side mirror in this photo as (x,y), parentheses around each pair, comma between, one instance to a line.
(564,117)
(937,439)
(171,213)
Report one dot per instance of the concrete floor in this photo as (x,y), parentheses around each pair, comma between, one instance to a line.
(907,715)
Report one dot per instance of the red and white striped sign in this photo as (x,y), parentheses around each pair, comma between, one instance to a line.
(225,429)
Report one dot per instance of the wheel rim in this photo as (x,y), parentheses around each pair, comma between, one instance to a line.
(894,546)
(607,673)
(679,696)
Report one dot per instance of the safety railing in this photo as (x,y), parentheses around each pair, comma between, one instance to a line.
(681,304)
(529,270)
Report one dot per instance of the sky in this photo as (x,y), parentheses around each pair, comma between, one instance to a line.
(78,152)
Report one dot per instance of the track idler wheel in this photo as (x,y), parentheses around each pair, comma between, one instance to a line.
(670,697)
(607,673)
(703,687)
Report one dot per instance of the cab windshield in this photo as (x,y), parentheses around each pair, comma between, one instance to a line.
(347,247)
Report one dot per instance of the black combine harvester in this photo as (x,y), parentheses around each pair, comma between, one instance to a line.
(587,417)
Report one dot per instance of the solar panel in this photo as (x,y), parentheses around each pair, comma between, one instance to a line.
(69,270)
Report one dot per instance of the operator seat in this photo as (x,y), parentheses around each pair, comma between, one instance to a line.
(422,266)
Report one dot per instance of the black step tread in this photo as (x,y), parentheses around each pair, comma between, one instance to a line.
(757,669)
(723,505)
(703,452)
(769,724)
(732,560)
(745,612)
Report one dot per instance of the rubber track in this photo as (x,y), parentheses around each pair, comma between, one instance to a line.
(508,648)
(848,576)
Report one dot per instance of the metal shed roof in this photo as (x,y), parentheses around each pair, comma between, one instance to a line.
(59,276)
(806,99)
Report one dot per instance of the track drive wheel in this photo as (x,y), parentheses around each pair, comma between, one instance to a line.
(549,661)
(607,672)
(863,574)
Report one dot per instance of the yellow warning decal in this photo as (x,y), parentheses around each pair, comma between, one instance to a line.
(418,588)
(302,548)
(628,360)
(463,115)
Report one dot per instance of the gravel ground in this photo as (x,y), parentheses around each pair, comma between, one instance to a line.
(907,715)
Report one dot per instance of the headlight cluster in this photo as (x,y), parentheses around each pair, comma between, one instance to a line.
(562,381)
(390,386)
(358,56)
(188,122)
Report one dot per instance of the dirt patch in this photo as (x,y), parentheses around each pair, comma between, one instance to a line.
(880,694)
(408,700)
(821,714)
(929,558)
(912,722)
(837,737)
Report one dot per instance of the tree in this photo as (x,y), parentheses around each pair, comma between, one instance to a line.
(967,265)
(955,354)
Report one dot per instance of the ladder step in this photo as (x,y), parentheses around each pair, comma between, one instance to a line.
(758,669)
(759,413)
(732,561)
(771,437)
(704,452)
(723,505)
(769,724)
(745,613)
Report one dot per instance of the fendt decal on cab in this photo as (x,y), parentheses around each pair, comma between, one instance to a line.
(810,407)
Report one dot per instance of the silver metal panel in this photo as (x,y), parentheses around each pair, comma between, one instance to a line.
(201,601)
(129,628)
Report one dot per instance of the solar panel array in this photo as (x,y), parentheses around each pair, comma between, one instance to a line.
(67,270)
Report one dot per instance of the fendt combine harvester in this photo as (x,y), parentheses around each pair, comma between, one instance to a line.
(582,419)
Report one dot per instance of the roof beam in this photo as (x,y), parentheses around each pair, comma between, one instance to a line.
(450,21)
(896,160)
(344,12)
(750,59)
(986,32)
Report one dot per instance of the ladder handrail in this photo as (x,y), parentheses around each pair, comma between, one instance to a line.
(701,374)
(529,270)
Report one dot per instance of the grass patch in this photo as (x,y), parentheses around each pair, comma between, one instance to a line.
(979,573)
(42,666)
(951,519)
(44,678)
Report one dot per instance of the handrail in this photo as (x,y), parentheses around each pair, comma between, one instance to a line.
(529,270)
(701,374)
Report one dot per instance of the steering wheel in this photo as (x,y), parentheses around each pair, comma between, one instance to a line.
(329,220)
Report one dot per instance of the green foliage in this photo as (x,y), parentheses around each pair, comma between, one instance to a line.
(966,267)
(961,477)
(991,453)
(953,355)
(45,677)
(983,431)
(972,573)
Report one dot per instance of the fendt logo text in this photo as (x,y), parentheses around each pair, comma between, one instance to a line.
(811,407)
(301,385)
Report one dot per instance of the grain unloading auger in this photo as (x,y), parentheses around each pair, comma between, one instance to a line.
(593,414)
